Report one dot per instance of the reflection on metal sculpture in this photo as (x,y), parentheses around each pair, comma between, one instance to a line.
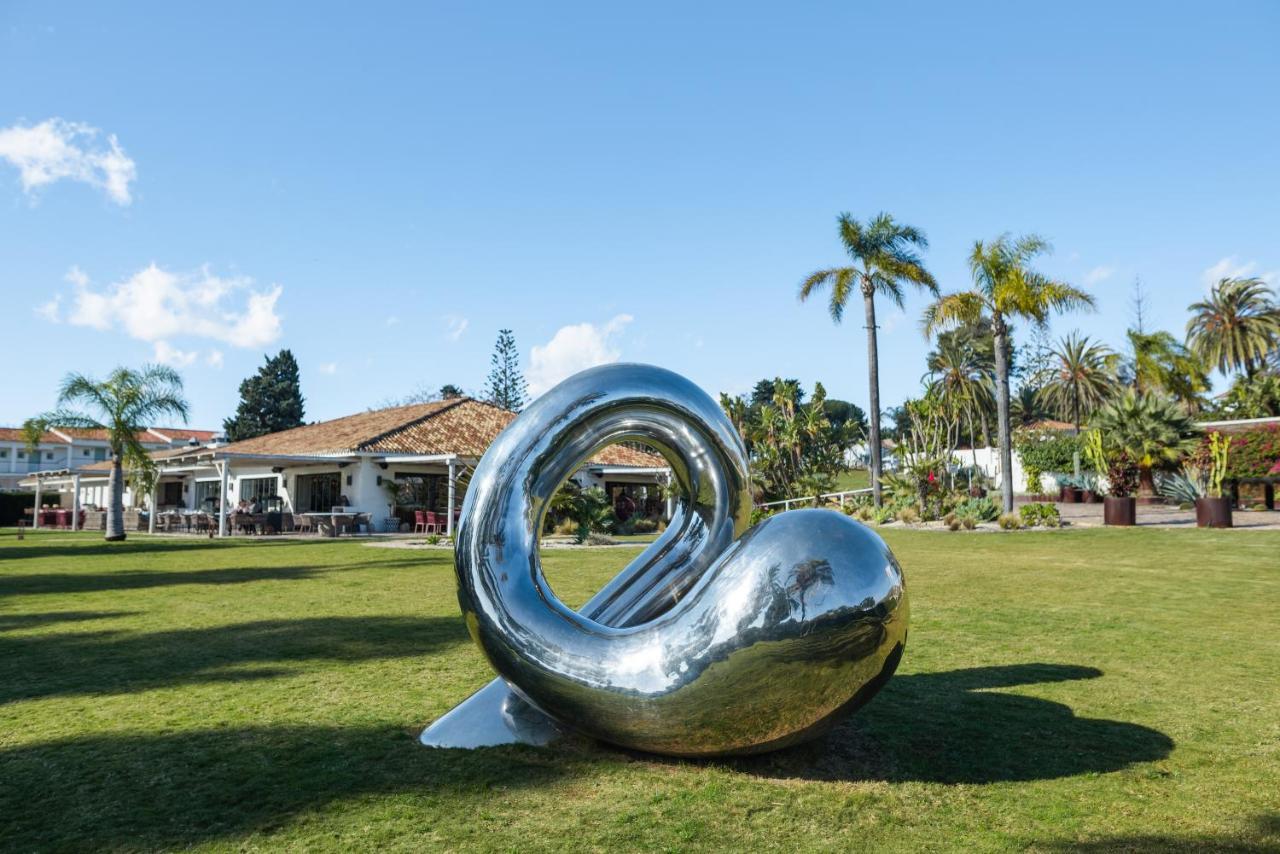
(716,639)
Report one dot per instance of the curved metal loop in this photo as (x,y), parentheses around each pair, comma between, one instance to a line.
(715,639)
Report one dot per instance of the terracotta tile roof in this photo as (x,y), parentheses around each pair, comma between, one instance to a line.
(14,434)
(182,434)
(341,435)
(159,456)
(1050,424)
(461,426)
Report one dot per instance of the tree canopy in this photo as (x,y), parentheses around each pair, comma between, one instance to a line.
(270,400)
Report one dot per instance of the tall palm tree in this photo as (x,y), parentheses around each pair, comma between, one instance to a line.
(1082,375)
(1004,287)
(1236,327)
(124,405)
(885,258)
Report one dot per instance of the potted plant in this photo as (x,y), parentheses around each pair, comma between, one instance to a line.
(1090,491)
(1213,509)
(1120,507)
(1070,490)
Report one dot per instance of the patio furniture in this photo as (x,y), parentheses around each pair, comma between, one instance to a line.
(434,523)
(419,522)
(303,523)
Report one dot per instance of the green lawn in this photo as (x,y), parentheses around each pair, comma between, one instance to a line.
(855,479)
(1072,690)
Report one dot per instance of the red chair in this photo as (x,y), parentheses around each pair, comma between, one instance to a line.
(419,522)
(63,518)
(433,523)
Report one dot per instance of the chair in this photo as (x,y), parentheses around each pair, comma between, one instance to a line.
(434,525)
(419,522)
(304,524)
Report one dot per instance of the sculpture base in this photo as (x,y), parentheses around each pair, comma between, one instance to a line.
(492,716)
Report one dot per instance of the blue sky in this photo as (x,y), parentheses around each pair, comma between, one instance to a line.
(381,188)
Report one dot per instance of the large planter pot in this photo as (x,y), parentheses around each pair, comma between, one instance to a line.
(1120,511)
(1074,496)
(1213,512)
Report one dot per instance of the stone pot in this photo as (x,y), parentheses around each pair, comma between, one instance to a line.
(1213,512)
(1120,511)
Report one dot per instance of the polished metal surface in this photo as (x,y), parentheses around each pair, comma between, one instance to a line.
(716,639)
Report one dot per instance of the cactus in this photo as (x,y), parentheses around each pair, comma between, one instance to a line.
(1219,447)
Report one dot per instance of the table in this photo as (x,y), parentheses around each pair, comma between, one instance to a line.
(355,519)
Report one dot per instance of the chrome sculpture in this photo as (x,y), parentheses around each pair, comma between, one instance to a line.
(717,639)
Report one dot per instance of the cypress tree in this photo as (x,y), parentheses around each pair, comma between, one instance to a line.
(270,400)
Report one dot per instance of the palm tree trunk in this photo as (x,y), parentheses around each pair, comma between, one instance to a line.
(115,510)
(873,372)
(1000,335)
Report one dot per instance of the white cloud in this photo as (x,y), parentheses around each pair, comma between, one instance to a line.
(1231,268)
(76,276)
(56,149)
(51,310)
(214,359)
(1099,274)
(329,367)
(572,349)
(157,305)
(168,355)
(889,322)
(456,326)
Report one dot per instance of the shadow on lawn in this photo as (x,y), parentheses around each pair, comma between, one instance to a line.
(107,662)
(175,790)
(1263,837)
(138,579)
(951,728)
(10,622)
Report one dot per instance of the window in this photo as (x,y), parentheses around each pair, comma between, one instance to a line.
(48,455)
(207,494)
(317,493)
(4,455)
(258,488)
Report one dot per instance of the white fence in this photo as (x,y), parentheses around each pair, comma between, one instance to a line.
(809,500)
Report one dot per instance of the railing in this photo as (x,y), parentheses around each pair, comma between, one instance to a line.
(811,500)
(30,467)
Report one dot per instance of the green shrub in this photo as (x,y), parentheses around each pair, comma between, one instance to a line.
(954,524)
(1253,452)
(981,509)
(1039,514)
(884,515)
(908,515)
(1009,521)
(866,514)
(644,526)
(433,539)
(1046,450)
(949,518)
(968,522)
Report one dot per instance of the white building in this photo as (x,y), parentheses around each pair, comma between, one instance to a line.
(427,449)
(70,450)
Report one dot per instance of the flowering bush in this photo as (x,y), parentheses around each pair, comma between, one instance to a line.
(1254,453)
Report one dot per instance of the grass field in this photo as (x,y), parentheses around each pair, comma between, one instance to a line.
(1073,690)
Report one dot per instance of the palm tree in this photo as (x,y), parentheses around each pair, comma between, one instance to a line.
(1081,377)
(1236,327)
(1027,406)
(1005,286)
(1151,429)
(960,377)
(1160,363)
(885,257)
(124,405)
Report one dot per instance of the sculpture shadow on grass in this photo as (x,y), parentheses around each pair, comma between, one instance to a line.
(953,727)
(180,789)
(108,662)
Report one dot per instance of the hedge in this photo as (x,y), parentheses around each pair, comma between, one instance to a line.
(1046,451)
